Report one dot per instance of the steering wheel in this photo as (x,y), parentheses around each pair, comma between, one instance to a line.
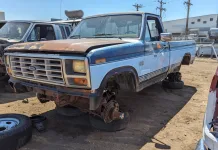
(130,32)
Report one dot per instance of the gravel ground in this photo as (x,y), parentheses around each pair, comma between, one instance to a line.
(160,118)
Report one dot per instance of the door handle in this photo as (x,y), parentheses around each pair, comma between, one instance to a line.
(155,55)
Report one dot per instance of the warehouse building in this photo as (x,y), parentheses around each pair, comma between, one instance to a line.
(200,25)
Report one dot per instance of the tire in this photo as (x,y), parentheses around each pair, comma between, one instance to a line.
(17,136)
(116,125)
(40,98)
(173,85)
(69,111)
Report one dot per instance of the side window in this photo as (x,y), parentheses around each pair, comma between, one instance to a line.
(154,28)
(42,32)
(67,31)
(63,32)
(35,34)
(147,34)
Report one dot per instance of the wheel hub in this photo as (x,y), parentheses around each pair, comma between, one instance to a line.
(111,112)
(7,124)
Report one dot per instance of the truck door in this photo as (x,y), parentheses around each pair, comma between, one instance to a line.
(41,32)
(160,49)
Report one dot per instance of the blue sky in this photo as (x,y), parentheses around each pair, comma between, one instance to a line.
(47,9)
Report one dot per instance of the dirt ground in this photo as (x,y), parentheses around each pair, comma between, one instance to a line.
(160,118)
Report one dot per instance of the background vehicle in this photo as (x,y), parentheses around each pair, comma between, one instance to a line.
(210,123)
(105,54)
(210,130)
(204,47)
(29,31)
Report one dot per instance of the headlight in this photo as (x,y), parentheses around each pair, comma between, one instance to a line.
(79,66)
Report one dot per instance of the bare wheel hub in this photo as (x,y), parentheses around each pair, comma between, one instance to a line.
(111,112)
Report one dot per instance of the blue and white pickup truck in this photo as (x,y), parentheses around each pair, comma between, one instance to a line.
(105,54)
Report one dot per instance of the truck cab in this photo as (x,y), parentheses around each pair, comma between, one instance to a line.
(103,55)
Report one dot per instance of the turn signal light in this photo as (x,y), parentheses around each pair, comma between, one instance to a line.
(80,81)
(9,71)
(100,61)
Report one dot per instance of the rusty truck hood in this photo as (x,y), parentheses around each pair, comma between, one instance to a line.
(61,46)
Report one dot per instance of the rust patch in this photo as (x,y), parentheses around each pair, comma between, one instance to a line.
(70,45)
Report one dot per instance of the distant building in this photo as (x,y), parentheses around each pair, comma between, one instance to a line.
(2,15)
(201,24)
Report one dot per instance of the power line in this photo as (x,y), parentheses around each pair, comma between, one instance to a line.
(188,3)
(137,6)
(161,7)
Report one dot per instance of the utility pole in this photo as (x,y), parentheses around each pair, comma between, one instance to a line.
(60,7)
(161,7)
(188,3)
(137,6)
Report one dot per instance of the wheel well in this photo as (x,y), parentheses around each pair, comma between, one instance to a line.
(125,77)
(124,81)
(186,59)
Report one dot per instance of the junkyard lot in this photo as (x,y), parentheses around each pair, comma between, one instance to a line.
(160,118)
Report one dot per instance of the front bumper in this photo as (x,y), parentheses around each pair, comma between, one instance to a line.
(54,88)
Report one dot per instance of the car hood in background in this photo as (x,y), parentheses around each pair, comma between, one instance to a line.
(65,46)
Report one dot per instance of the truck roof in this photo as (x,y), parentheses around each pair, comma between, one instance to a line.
(67,21)
(121,13)
(28,21)
(36,21)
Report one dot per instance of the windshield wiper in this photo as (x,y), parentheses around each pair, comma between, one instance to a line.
(102,34)
(75,37)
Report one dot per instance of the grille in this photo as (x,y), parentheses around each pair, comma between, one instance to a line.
(40,69)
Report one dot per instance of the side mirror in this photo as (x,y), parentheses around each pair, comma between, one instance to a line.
(213,33)
(166,37)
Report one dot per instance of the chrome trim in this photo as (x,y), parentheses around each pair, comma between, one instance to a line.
(46,69)
(62,58)
(88,72)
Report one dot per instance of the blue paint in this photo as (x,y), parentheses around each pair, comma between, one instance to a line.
(117,52)
(133,49)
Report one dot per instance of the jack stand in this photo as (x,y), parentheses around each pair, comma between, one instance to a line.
(214,50)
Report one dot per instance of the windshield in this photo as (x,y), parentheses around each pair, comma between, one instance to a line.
(14,30)
(117,26)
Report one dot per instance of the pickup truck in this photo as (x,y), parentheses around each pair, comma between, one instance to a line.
(103,55)
(28,31)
